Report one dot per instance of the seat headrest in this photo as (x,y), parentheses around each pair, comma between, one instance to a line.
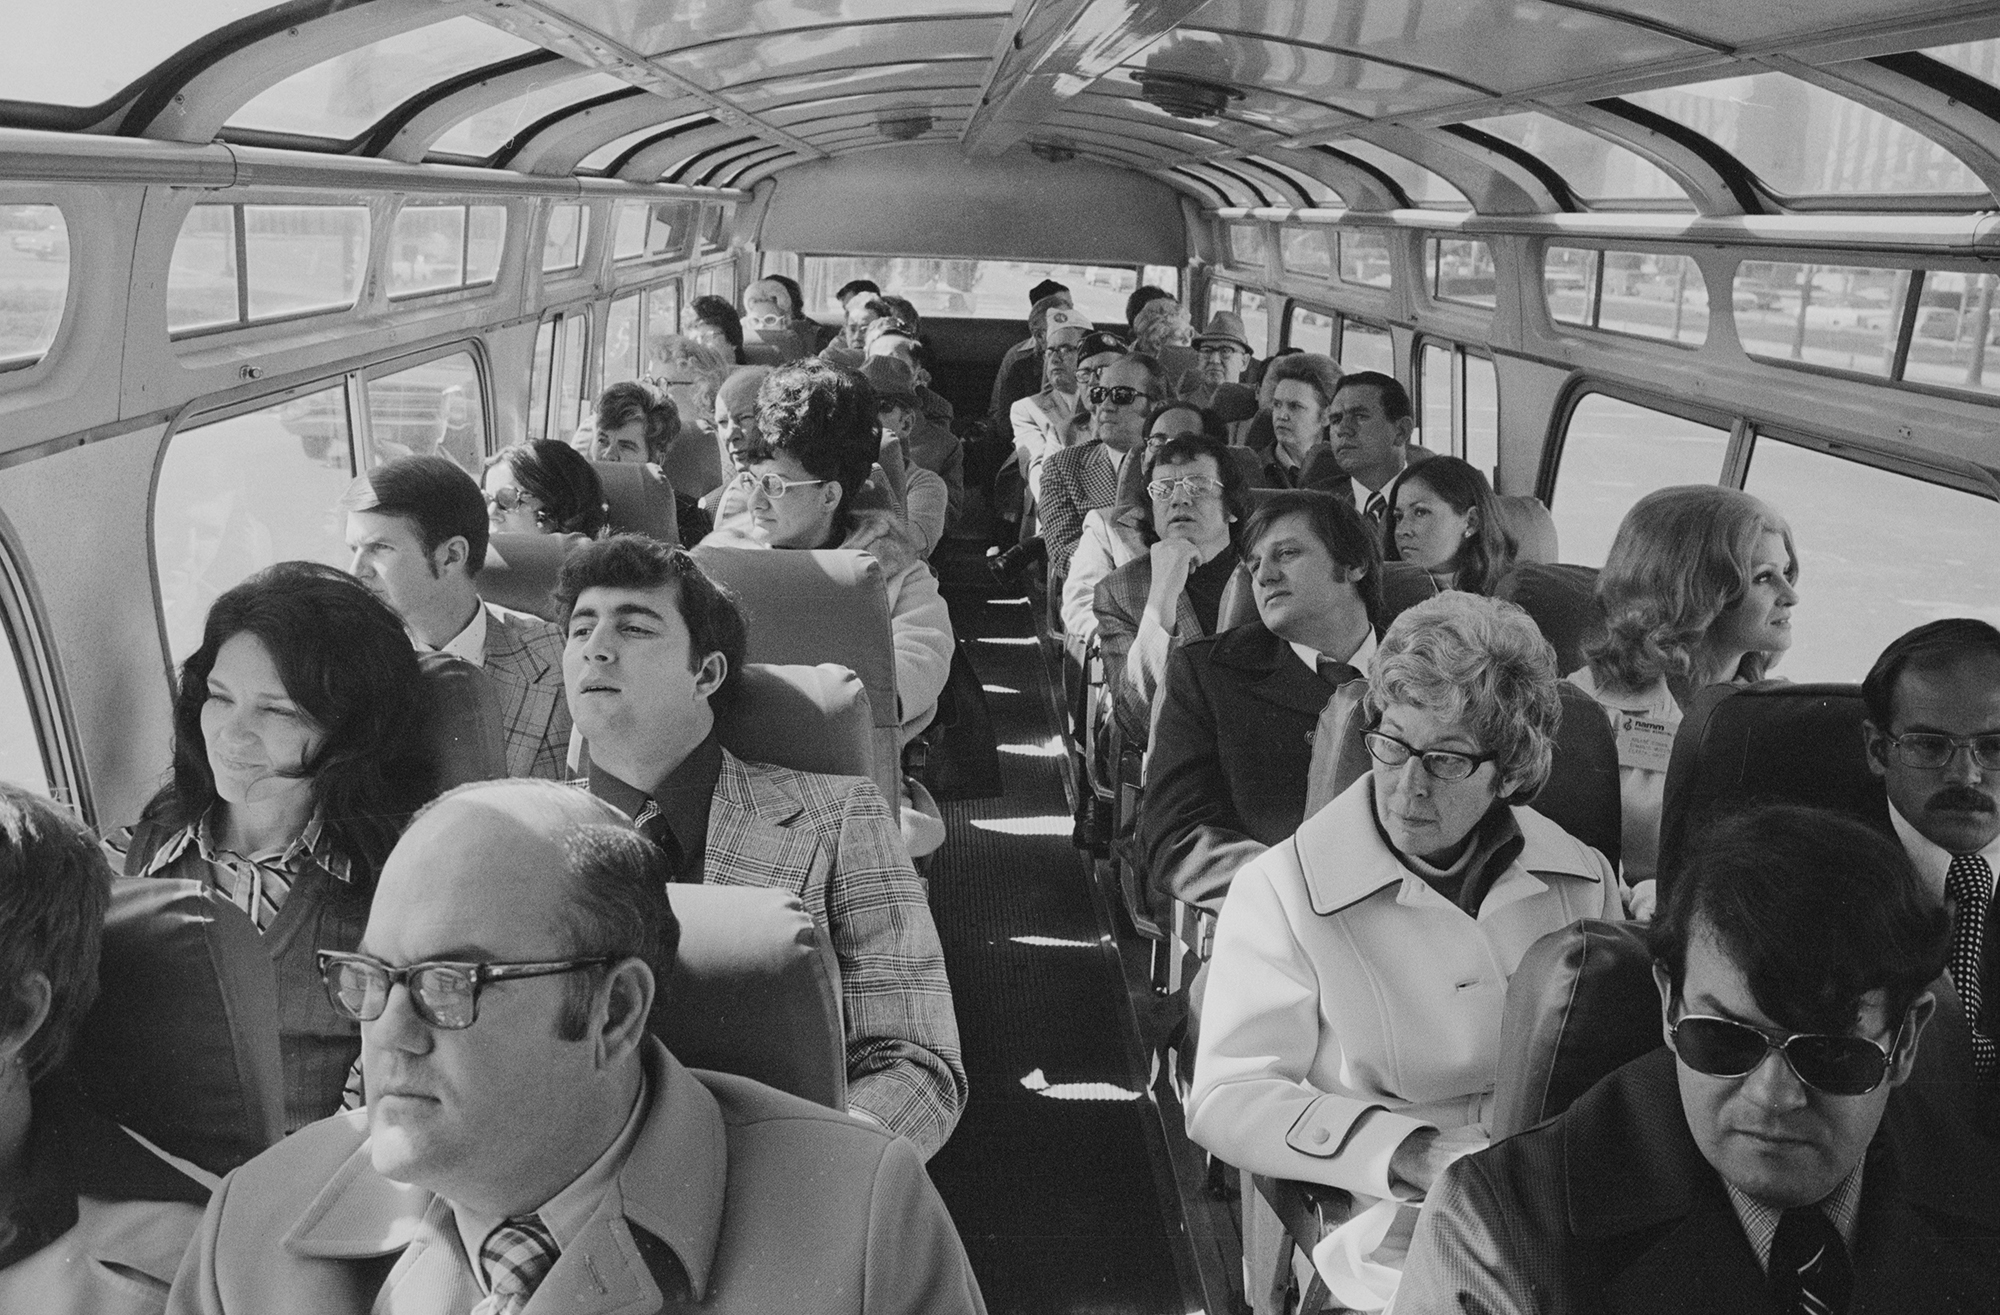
(182,1044)
(521,570)
(1404,585)
(464,725)
(1581,1003)
(693,464)
(1771,742)
(754,991)
(1524,517)
(810,719)
(1581,795)
(1562,600)
(638,499)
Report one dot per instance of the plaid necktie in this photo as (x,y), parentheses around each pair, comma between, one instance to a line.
(516,1256)
(1968,882)
(1810,1273)
(652,824)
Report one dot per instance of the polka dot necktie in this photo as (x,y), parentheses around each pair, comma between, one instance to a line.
(1969,882)
(1810,1273)
(516,1256)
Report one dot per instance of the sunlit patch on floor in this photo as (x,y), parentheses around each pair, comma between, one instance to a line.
(1054,943)
(1011,641)
(1000,689)
(1041,1086)
(1007,602)
(1046,749)
(1053,824)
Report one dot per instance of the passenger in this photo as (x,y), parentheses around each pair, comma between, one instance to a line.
(1698,590)
(818,427)
(1351,1031)
(417,530)
(903,312)
(894,338)
(809,331)
(854,288)
(1020,372)
(850,348)
(1164,332)
(1137,301)
(652,646)
(1447,521)
(768,316)
(1232,751)
(297,758)
(91,1222)
(1771,1157)
(527,1144)
(543,487)
(1370,422)
(634,421)
(1172,595)
(714,324)
(1934,692)
(930,503)
(1225,353)
(689,373)
(1085,475)
(1302,386)
(1040,424)
(736,432)
(1116,534)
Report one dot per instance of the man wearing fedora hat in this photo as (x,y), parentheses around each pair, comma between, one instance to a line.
(1225,353)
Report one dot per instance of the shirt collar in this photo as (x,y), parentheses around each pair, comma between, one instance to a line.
(683,796)
(1930,860)
(312,847)
(566,1213)
(1362,659)
(1841,1206)
(469,643)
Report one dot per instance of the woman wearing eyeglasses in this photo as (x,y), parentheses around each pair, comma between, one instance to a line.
(1698,590)
(297,758)
(543,487)
(1351,1028)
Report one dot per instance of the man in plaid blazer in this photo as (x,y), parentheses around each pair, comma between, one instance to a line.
(417,530)
(1081,478)
(651,643)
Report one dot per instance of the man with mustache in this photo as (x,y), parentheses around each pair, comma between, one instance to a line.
(1933,736)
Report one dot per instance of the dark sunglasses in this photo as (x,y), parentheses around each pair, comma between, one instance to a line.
(1118,396)
(444,994)
(1834,1064)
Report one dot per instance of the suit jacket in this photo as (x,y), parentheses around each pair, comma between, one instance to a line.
(1074,481)
(735,1198)
(1131,670)
(1227,768)
(524,657)
(1319,471)
(832,841)
(1610,1208)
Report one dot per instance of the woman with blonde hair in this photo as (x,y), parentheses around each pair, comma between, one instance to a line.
(1698,590)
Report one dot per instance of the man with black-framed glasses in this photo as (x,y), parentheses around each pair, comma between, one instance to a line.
(1773,1157)
(527,1142)
(1933,736)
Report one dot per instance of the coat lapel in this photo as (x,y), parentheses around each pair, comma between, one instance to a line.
(361,1216)
(1272,671)
(512,664)
(749,843)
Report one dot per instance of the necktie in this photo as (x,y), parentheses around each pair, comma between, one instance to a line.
(652,824)
(1335,673)
(1377,507)
(1810,1273)
(1968,881)
(515,1257)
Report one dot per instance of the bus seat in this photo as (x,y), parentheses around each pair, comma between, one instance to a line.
(1771,742)
(182,1044)
(693,465)
(825,605)
(1562,599)
(754,991)
(1524,517)
(1581,794)
(520,571)
(639,499)
(1404,585)
(810,719)
(464,724)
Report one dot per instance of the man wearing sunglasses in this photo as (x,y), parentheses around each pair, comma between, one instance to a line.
(528,1143)
(1770,1158)
(1078,479)
(1933,736)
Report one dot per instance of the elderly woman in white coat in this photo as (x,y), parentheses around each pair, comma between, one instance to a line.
(1351,1027)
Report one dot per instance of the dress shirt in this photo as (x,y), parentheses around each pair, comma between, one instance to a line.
(1930,861)
(565,1213)
(683,797)
(245,877)
(469,643)
(1841,1206)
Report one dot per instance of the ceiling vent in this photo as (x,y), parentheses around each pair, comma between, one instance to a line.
(1055,152)
(1185,98)
(905,124)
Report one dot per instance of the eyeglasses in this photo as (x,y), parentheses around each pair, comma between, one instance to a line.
(510,498)
(1930,750)
(1187,486)
(444,994)
(1118,396)
(774,485)
(1835,1064)
(1444,764)
(1065,352)
(1218,349)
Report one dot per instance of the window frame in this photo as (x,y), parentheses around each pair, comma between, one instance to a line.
(360,377)
(1433,256)
(1582,384)
(1600,252)
(244,322)
(1458,440)
(13,370)
(25,631)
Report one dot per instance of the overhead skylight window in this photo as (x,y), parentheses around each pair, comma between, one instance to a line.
(1423,187)
(492,128)
(1596,168)
(80,52)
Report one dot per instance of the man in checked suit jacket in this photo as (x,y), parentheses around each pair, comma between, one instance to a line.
(1079,479)
(1671,1186)
(652,641)
(417,530)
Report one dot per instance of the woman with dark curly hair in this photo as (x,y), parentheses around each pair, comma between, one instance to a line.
(714,324)
(298,756)
(544,487)
(1446,521)
(1698,590)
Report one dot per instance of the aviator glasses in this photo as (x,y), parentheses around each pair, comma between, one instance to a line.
(444,994)
(1444,764)
(1838,1065)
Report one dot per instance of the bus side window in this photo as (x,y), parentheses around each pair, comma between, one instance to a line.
(1365,347)
(1879,553)
(240,492)
(21,760)
(1460,401)
(1309,330)
(432,409)
(1615,452)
